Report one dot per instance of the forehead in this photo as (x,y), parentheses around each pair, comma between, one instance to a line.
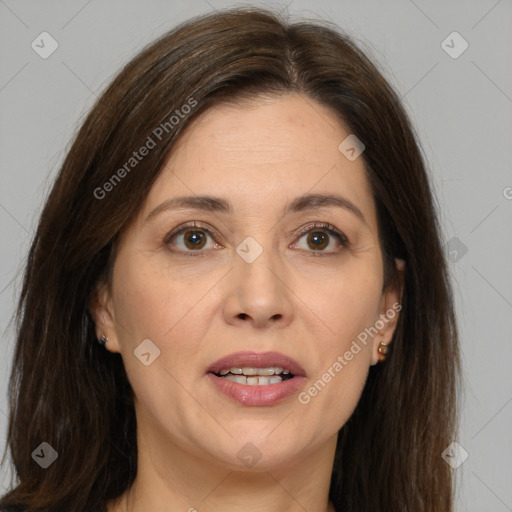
(268,150)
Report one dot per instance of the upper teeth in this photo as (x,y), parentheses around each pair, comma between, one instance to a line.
(270,370)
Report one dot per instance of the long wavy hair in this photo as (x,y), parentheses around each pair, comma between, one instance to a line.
(67,391)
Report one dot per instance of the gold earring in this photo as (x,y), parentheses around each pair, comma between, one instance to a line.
(383,350)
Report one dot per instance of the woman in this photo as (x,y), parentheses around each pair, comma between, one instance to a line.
(245,224)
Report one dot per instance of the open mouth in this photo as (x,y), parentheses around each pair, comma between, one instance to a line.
(255,376)
(257,379)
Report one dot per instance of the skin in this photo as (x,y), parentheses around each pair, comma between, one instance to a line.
(258,154)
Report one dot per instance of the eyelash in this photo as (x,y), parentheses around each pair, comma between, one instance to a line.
(331,230)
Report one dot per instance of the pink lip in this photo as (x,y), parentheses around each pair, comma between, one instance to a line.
(258,360)
(257,395)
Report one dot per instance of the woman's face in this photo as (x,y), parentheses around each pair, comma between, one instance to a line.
(256,270)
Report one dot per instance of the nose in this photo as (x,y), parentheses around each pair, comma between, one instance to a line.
(261,294)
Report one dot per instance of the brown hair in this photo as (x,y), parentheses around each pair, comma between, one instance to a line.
(67,391)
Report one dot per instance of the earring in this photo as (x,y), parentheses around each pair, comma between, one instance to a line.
(103,340)
(383,350)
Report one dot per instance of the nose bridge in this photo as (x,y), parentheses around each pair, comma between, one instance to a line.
(258,261)
(259,290)
(259,244)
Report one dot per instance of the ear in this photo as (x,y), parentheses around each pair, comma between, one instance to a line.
(389,309)
(102,311)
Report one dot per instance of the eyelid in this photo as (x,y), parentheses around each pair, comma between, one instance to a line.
(195,224)
(326,227)
(333,231)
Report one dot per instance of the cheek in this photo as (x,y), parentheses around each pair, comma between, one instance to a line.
(335,393)
(153,303)
(350,302)
(156,302)
(349,308)
(335,388)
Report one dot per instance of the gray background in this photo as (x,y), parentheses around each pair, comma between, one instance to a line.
(462,109)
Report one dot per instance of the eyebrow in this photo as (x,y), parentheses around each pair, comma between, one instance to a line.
(213,204)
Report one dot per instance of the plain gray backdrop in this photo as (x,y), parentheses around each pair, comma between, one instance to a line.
(461,105)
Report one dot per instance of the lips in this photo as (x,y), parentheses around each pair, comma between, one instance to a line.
(258,360)
(258,395)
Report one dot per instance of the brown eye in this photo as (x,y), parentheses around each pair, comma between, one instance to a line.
(194,239)
(317,240)
(191,240)
(321,238)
